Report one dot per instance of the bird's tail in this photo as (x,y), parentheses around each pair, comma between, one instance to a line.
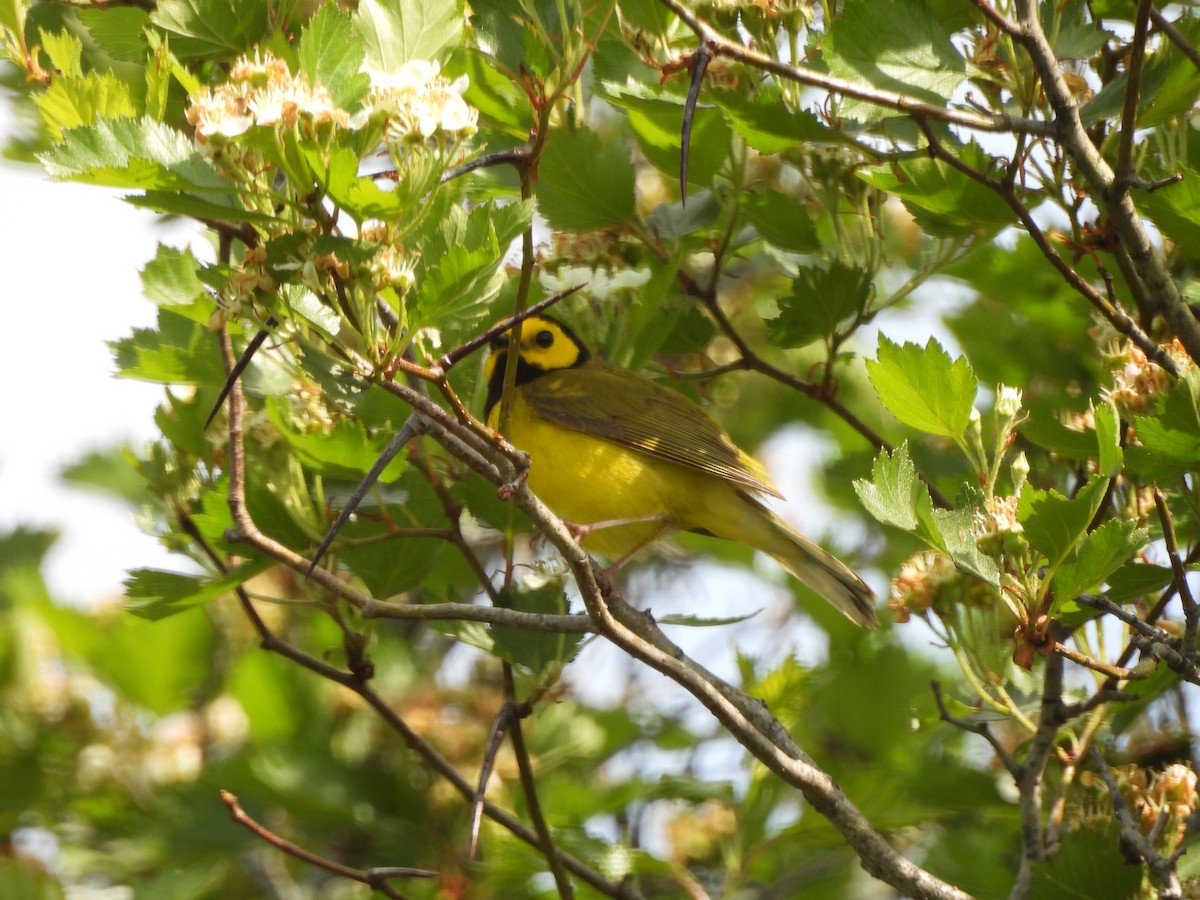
(835,581)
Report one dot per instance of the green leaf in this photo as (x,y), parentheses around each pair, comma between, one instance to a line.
(1175,209)
(74,99)
(534,650)
(330,54)
(156,594)
(780,220)
(170,279)
(1163,454)
(1087,866)
(1108,438)
(111,473)
(345,451)
(701,621)
(896,45)
(65,52)
(585,183)
(896,496)
(460,271)
(923,387)
(1181,409)
(821,299)
(1054,524)
(1100,554)
(944,201)
(118,30)
(362,198)
(1075,34)
(672,221)
(135,153)
(180,351)
(394,32)
(767,125)
(211,29)
(1137,579)
(660,135)
(955,527)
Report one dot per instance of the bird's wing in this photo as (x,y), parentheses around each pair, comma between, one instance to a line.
(615,404)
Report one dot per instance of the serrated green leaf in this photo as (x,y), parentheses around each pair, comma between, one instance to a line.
(1100,554)
(505,29)
(1054,524)
(672,221)
(1087,866)
(944,201)
(956,531)
(118,30)
(585,183)
(1175,209)
(821,299)
(74,99)
(156,594)
(1108,438)
(179,351)
(534,650)
(768,126)
(394,32)
(362,198)
(65,52)
(211,29)
(923,387)
(896,45)
(345,451)
(780,220)
(1162,453)
(1075,34)
(391,567)
(896,496)
(1137,579)
(170,279)
(134,153)
(1181,408)
(330,54)
(660,137)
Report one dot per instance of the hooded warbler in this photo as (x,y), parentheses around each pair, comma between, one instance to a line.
(628,459)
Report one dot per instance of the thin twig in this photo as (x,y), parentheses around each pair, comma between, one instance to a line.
(1191,613)
(1162,870)
(374,878)
(529,786)
(1134,69)
(980,728)
(719,45)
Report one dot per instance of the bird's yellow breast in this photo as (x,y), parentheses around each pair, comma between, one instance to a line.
(588,480)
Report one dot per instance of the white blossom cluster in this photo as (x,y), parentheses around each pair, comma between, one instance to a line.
(261,91)
(419,104)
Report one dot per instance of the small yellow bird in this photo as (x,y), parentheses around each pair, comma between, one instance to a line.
(627,459)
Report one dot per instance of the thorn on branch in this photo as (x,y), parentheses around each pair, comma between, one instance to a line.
(697,65)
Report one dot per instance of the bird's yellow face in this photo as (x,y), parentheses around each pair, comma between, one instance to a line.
(546,344)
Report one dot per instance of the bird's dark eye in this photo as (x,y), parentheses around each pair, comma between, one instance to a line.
(544,339)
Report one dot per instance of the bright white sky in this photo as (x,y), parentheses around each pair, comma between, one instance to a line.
(71,259)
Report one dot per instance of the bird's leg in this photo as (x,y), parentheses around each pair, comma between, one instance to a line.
(579,532)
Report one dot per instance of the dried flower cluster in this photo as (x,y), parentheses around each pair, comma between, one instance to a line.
(1137,380)
(1169,793)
